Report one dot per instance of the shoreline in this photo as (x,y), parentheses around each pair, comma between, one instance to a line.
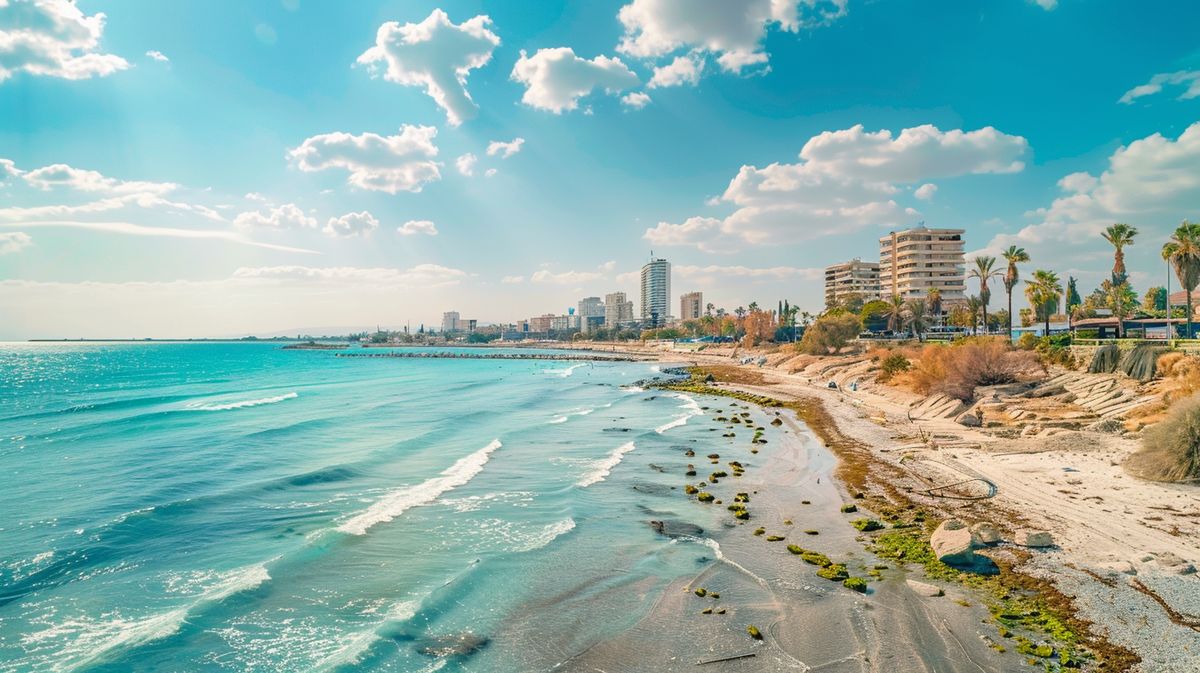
(1104,601)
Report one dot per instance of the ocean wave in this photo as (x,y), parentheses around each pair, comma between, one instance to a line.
(562,418)
(556,420)
(720,556)
(564,372)
(601,468)
(401,500)
(693,409)
(352,651)
(547,535)
(240,404)
(91,642)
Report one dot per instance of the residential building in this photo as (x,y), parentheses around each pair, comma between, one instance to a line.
(542,323)
(853,277)
(913,261)
(656,292)
(617,310)
(691,306)
(450,321)
(590,307)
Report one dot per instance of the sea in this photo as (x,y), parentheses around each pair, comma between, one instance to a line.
(242,507)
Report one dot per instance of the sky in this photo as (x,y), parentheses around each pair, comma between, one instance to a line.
(220,168)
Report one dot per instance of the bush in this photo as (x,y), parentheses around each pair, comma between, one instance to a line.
(1027,341)
(956,370)
(1171,449)
(829,334)
(893,364)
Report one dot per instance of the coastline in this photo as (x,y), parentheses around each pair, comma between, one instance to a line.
(1104,581)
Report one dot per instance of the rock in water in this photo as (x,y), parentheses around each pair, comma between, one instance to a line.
(923,589)
(1033,538)
(985,533)
(459,644)
(954,544)
(672,528)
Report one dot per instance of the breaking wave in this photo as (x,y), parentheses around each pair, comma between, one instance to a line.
(241,404)
(601,468)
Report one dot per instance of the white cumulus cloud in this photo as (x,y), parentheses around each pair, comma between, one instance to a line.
(62,175)
(415,227)
(391,164)
(926,191)
(466,164)
(555,79)
(635,100)
(287,216)
(351,224)
(436,54)
(53,38)
(682,70)
(505,149)
(158,56)
(14,241)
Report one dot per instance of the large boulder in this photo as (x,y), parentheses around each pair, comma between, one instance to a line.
(969,419)
(985,533)
(954,544)
(1033,538)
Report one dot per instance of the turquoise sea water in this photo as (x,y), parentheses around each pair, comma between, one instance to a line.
(238,507)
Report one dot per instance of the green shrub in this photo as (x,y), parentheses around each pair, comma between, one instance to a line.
(893,364)
(829,334)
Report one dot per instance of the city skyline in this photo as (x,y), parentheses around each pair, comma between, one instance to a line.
(281,166)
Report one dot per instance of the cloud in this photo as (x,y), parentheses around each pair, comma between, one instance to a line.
(351,224)
(716,273)
(1183,78)
(436,54)
(505,150)
(62,175)
(545,276)
(1152,182)
(414,227)
(466,164)
(287,216)
(491,172)
(158,56)
(53,38)
(421,276)
(635,100)
(389,164)
(926,191)
(555,79)
(14,241)
(845,180)
(131,229)
(146,201)
(512,280)
(733,31)
(683,70)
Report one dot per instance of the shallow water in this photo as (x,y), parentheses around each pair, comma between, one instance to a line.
(237,507)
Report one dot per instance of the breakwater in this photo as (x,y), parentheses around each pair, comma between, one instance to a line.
(446,355)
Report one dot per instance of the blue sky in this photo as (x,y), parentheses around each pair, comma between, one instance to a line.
(217,168)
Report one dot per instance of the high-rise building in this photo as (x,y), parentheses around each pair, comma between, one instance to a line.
(691,306)
(589,307)
(656,292)
(617,310)
(913,261)
(853,277)
(450,321)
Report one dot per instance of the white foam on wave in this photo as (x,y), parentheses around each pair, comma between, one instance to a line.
(547,535)
(603,467)
(90,641)
(632,389)
(401,500)
(562,418)
(352,649)
(564,372)
(241,404)
(693,409)
(556,420)
(716,548)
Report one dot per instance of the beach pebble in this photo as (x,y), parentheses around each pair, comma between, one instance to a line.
(1033,538)
(923,589)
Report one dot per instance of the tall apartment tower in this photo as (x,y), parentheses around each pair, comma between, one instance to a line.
(656,292)
(589,307)
(691,306)
(853,277)
(617,310)
(913,261)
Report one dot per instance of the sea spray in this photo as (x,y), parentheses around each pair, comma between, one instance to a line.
(401,500)
(602,468)
(240,404)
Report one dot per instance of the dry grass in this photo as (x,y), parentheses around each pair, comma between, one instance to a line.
(1171,449)
(956,370)
(734,374)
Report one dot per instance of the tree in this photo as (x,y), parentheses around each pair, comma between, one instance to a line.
(739,312)
(1182,251)
(1155,299)
(973,306)
(1121,300)
(1043,293)
(829,334)
(708,308)
(933,298)
(1119,236)
(1013,256)
(983,273)
(915,314)
(999,319)
(874,315)
(894,313)
(1073,299)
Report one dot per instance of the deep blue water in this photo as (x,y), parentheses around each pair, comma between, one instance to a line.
(238,507)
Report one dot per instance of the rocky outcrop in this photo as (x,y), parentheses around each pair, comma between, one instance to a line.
(985,533)
(955,545)
(1033,538)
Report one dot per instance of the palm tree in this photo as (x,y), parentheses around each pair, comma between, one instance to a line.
(915,313)
(983,272)
(1043,292)
(894,313)
(1119,235)
(973,305)
(934,299)
(1013,256)
(1182,251)
(708,308)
